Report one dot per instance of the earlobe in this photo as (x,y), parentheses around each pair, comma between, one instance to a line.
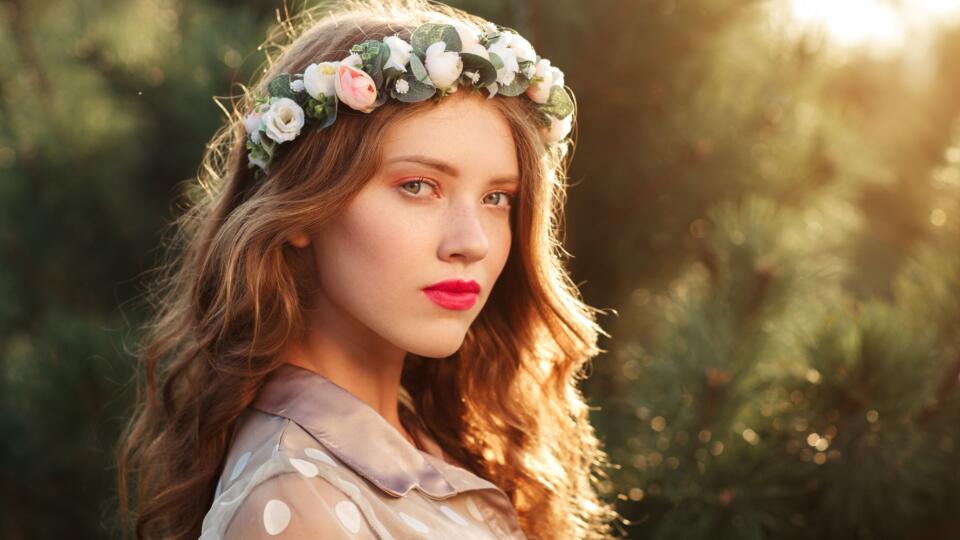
(299,239)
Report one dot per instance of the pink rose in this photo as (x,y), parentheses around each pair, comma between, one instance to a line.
(355,88)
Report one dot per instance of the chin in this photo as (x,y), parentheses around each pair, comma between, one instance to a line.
(440,348)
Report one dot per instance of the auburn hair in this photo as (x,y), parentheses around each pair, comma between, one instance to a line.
(228,299)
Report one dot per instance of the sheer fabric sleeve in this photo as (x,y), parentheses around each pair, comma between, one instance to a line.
(297,506)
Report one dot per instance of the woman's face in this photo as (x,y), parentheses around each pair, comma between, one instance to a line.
(438,209)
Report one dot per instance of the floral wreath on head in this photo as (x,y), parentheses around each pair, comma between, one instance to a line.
(438,58)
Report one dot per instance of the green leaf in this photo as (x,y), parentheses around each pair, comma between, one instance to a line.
(280,87)
(418,91)
(329,111)
(496,60)
(324,110)
(391,73)
(543,117)
(559,104)
(374,55)
(418,70)
(515,88)
(429,33)
(473,62)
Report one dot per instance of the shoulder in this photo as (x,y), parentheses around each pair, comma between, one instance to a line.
(278,480)
(301,504)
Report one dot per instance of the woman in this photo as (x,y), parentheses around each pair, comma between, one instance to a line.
(367,330)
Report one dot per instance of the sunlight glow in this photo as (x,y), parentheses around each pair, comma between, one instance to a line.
(873,23)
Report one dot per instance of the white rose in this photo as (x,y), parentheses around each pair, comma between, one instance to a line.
(320,79)
(557,76)
(399,53)
(558,129)
(443,66)
(501,47)
(470,39)
(522,48)
(284,120)
(477,49)
(540,91)
(467,33)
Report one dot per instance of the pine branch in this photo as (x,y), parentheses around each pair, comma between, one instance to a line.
(947,387)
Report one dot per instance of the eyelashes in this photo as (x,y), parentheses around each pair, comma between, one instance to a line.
(419,181)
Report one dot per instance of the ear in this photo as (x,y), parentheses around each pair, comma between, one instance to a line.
(299,239)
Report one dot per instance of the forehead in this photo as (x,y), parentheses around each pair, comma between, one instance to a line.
(461,127)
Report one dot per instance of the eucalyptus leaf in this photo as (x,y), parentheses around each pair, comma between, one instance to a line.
(391,73)
(417,91)
(418,70)
(473,62)
(373,55)
(545,119)
(382,96)
(515,88)
(429,33)
(559,104)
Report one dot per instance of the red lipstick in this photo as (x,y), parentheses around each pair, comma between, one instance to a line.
(453,293)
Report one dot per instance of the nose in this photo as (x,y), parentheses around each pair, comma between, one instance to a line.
(464,236)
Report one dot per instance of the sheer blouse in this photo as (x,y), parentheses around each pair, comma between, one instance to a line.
(310,460)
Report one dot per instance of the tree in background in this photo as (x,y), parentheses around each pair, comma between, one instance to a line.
(776,230)
(104,107)
(796,375)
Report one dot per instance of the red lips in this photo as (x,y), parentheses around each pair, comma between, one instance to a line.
(453,294)
(455,286)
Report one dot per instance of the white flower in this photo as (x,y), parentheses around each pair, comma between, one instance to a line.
(320,79)
(443,66)
(540,90)
(251,122)
(402,86)
(501,47)
(470,40)
(558,129)
(557,76)
(353,60)
(284,120)
(399,53)
(297,85)
(474,76)
(522,48)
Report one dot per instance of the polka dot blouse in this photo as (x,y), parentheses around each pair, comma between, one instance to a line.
(312,461)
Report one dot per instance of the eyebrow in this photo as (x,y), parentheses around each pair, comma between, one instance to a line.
(448,169)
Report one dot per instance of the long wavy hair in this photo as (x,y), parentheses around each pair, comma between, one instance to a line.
(230,294)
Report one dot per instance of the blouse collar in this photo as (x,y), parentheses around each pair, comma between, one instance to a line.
(359,436)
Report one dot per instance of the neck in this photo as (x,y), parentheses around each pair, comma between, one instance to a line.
(365,365)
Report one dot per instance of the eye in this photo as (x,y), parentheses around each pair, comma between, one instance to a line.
(504,198)
(418,183)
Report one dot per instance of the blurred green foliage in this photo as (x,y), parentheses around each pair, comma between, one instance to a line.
(774,224)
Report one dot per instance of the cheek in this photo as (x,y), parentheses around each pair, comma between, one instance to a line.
(370,252)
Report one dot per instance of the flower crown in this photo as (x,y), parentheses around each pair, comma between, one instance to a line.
(438,58)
